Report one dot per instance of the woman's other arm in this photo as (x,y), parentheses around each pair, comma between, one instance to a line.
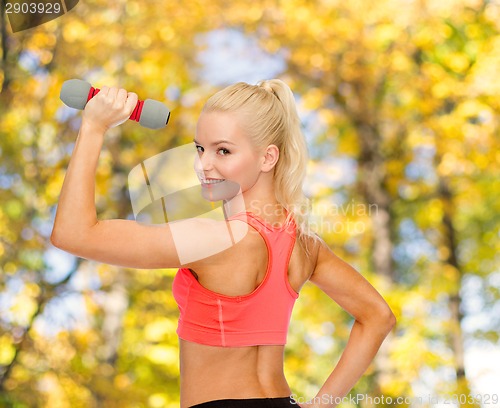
(373,322)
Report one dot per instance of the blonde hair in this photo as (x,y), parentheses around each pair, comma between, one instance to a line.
(270,117)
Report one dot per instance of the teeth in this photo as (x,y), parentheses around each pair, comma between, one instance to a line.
(212,181)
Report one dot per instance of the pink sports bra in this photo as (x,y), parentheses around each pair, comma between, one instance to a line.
(258,318)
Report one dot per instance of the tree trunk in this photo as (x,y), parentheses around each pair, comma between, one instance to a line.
(456,338)
(371,183)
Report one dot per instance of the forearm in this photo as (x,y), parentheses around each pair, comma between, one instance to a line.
(363,344)
(76,211)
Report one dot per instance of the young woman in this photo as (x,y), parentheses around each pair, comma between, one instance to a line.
(235,302)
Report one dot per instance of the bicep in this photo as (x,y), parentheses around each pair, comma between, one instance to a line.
(124,243)
(346,286)
(131,244)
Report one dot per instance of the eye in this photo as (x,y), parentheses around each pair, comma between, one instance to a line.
(226,152)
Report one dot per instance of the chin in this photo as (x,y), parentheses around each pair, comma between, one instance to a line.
(225,190)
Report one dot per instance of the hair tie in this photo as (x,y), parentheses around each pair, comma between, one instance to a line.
(268,88)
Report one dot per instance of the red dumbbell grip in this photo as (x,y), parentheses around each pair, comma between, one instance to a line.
(136,114)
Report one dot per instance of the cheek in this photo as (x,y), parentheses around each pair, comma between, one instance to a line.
(234,169)
(240,169)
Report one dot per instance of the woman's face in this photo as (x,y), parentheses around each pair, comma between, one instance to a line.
(227,161)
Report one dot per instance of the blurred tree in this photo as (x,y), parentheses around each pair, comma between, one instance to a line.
(405,89)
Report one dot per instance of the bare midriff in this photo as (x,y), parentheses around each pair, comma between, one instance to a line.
(211,373)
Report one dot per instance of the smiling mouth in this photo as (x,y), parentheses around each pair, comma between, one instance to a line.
(212,181)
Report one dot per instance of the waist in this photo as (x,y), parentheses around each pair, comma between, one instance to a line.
(211,373)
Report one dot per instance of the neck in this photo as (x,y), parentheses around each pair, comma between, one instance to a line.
(260,199)
(267,207)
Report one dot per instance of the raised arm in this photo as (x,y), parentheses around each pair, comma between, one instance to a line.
(76,227)
(373,322)
(124,242)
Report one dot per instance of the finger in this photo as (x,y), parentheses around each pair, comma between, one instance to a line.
(113,92)
(104,90)
(121,97)
(131,102)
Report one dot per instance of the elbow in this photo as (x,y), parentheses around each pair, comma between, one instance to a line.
(56,238)
(63,239)
(74,241)
(387,320)
(65,242)
(68,235)
(392,321)
(381,320)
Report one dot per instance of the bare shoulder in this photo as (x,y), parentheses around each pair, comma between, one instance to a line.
(310,250)
(202,242)
(207,230)
(328,265)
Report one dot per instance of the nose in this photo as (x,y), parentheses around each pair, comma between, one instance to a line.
(203,163)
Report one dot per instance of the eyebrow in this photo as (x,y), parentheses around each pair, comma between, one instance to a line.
(216,143)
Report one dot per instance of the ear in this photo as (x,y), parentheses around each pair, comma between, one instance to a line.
(270,158)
